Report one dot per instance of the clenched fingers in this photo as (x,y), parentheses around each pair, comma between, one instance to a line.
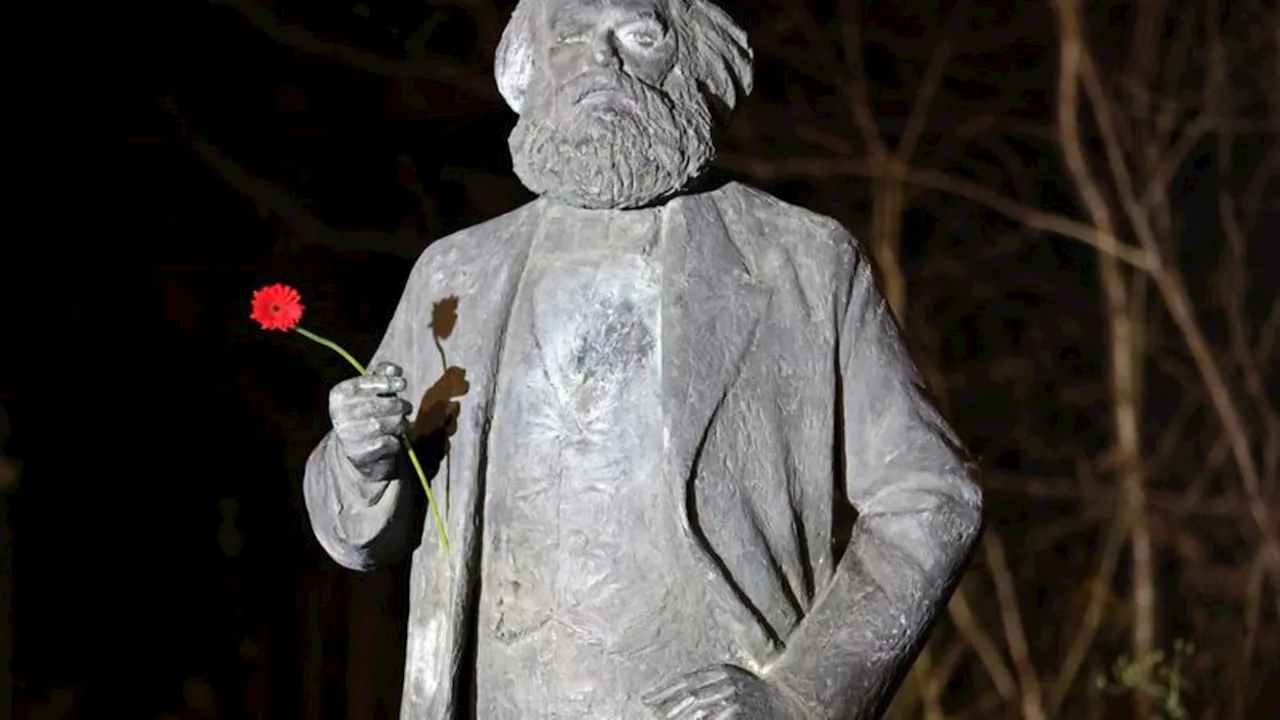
(379,385)
(347,410)
(698,696)
(366,385)
(362,430)
(699,704)
(680,686)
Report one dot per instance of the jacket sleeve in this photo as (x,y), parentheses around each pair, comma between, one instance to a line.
(918,518)
(361,523)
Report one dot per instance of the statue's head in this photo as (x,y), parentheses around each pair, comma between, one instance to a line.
(619,100)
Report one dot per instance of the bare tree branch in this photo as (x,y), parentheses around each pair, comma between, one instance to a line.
(769,170)
(961,614)
(928,91)
(307,228)
(1252,613)
(1103,502)
(1172,290)
(1087,629)
(1015,635)
(439,69)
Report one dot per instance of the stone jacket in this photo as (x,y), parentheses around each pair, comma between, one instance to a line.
(789,402)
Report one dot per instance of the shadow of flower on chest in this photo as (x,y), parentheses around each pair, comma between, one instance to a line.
(436,420)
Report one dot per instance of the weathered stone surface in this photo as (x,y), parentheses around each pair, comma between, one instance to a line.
(659,394)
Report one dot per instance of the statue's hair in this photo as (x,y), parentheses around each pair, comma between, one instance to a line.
(713,48)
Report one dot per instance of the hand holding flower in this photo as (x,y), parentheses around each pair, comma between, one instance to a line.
(368,417)
(368,414)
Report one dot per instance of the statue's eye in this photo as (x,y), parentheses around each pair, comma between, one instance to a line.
(644,39)
(644,35)
(571,37)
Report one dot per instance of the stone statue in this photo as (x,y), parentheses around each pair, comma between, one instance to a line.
(675,388)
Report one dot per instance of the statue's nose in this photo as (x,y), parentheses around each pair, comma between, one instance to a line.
(604,53)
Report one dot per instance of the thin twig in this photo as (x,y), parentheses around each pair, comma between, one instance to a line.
(271,199)
(854,89)
(1255,189)
(1238,338)
(1174,505)
(1015,635)
(437,68)
(988,654)
(1087,628)
(1252,616)
(928,92)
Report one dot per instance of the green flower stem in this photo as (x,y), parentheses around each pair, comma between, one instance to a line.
(413,457)
(332,346)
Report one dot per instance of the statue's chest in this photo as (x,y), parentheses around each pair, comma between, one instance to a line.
(588,343)
(577,446)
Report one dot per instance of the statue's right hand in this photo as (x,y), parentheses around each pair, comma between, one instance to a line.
(368,415)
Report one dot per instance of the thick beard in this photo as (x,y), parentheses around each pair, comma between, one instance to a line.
(644,147)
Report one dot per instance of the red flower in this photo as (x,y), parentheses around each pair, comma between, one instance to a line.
(277,307)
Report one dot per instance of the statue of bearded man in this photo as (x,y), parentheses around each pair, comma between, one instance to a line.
(678,391)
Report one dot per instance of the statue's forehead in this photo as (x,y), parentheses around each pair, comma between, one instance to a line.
(576,8)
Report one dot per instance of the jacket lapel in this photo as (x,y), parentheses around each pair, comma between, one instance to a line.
(712,308)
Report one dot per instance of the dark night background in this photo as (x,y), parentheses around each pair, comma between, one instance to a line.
(157,558)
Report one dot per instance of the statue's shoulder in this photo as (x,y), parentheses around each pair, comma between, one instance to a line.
(481,244)
(798,230)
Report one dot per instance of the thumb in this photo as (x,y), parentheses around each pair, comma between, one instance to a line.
(387,369)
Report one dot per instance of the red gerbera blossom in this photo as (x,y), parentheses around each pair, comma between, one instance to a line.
(277,307)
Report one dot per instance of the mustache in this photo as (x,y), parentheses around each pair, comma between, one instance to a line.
(578,88)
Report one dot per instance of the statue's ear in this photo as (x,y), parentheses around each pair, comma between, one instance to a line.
(513,64)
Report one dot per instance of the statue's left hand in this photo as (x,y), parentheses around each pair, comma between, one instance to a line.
(722,692)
